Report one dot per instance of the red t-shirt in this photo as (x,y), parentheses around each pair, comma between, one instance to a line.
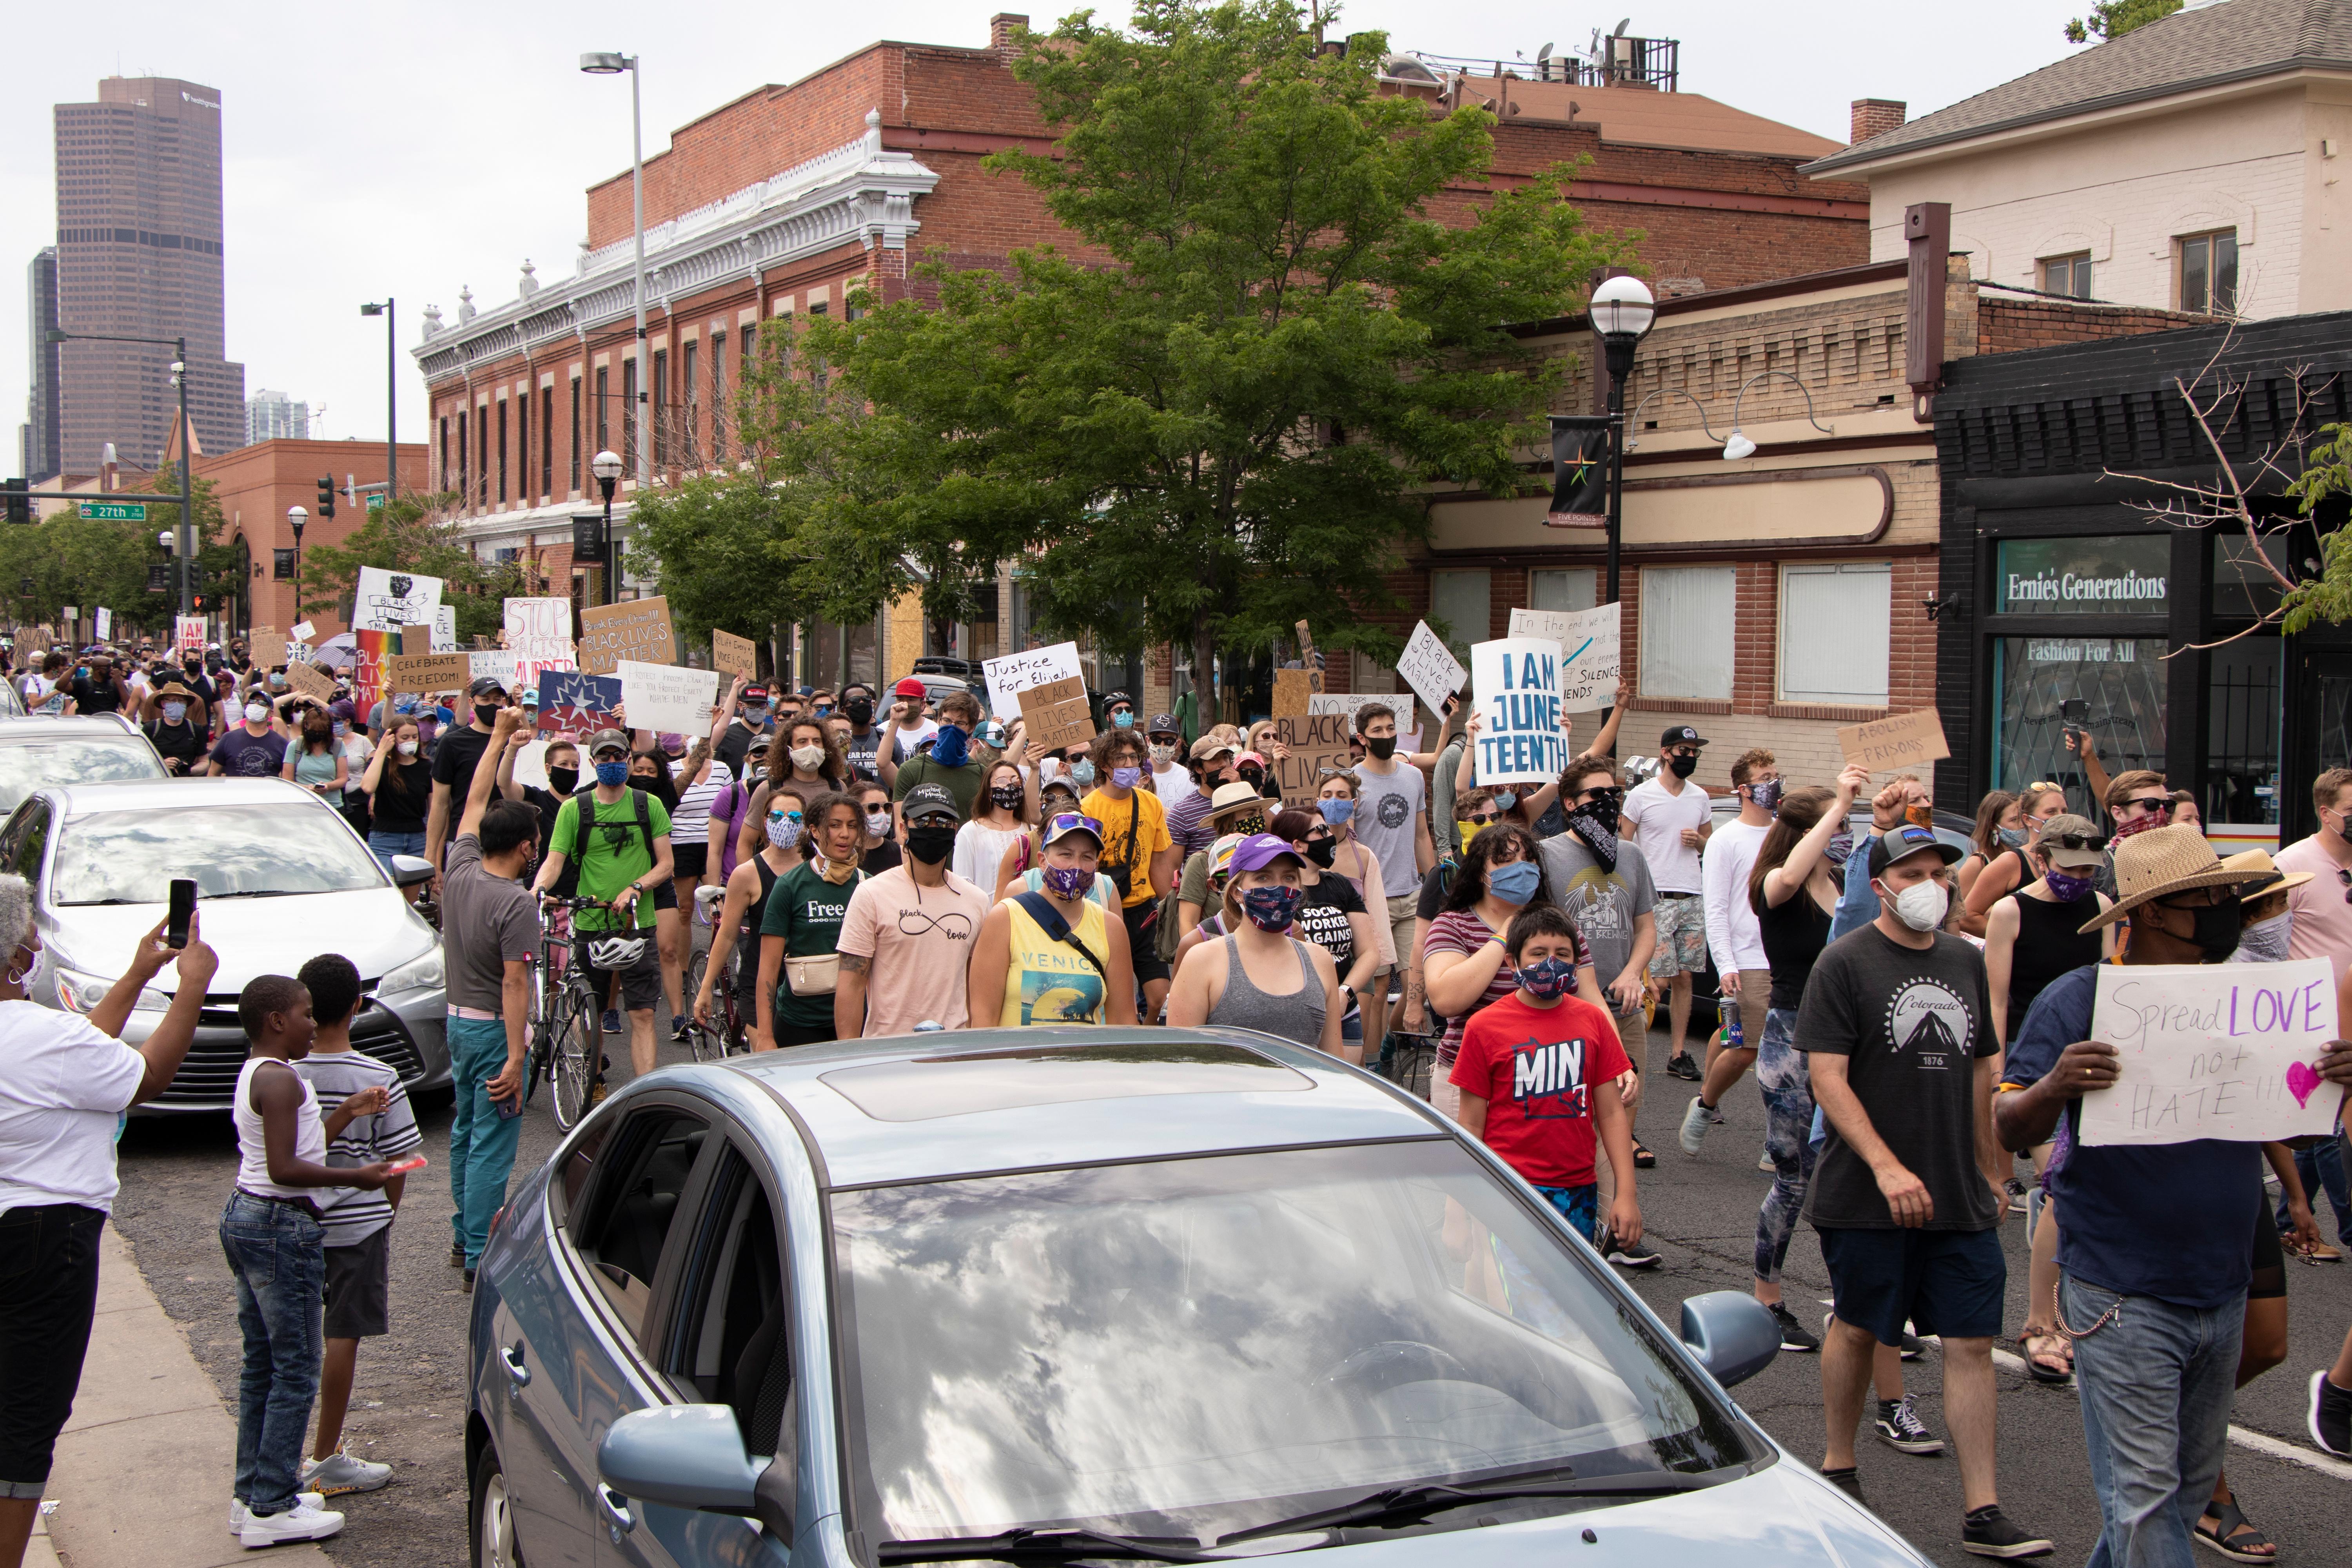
(1536,1068)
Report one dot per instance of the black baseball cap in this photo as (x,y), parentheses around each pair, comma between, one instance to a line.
(1902,843)
(929,800)
(1681,735)
(488,686)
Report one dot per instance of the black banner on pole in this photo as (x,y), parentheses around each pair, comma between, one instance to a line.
(1579,464)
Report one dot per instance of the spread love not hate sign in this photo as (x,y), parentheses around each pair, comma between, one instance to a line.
(2225,1050)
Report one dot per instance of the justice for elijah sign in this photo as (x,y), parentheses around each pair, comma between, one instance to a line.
(1518,683)
(2225,1050)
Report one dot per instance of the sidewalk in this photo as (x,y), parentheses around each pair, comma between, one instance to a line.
(144,1468)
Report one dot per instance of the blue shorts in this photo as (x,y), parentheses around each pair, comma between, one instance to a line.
(1580,1206)
(1948,1282)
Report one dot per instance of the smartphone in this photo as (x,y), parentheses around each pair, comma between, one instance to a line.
(508,1110)
(2076,712)
(402,1167)
(182,912)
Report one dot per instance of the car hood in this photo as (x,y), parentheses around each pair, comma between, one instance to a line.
(372,927)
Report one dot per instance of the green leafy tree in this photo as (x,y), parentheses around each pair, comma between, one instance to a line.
(2113,18)
(85,563)
(417,534)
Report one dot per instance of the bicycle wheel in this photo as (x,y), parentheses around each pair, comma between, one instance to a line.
(697,1038)
(576,1040)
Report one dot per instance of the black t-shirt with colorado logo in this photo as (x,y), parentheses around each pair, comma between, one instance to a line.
(1911,1025)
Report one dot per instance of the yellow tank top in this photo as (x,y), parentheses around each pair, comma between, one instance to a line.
(1049,984)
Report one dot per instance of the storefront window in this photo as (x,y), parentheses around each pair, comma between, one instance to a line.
(2107,575)
(2112,688)
(2241,731)
(2242,585)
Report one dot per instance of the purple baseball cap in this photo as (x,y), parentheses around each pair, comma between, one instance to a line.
(1260,850)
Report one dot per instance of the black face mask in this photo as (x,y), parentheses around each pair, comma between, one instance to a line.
(930,845)
(1323,851)
(1006,795)
(2218,930)
(1382,748)
(1683,766)
(565,780)
(859,711)
(485,714)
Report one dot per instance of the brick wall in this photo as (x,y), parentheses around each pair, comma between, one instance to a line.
(2005,325)
(1877,116)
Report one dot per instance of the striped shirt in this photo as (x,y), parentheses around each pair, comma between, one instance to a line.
(351,1214)
(1188,822)
(689,823)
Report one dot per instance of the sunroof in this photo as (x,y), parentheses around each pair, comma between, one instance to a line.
(927,1087)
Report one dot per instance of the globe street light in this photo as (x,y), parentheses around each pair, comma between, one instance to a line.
(1622,312)
(606,63)
(606,467)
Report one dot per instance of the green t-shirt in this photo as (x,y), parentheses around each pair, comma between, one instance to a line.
(615,854)
(805,911)
(962,783)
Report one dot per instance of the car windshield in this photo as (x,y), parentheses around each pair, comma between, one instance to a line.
(25,768)
(283,846)
(1198,1347)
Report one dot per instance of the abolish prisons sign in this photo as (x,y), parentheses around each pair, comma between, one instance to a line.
(1518,683)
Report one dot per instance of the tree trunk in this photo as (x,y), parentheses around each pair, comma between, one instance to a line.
(1204,681)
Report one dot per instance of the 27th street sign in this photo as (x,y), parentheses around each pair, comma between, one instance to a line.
(114,510)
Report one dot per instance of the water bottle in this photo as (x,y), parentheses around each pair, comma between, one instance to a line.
(1733,1039)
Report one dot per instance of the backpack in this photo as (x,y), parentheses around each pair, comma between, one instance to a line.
(583,804)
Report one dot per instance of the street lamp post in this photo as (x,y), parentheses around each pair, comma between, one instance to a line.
(606,467)
(188,468)
(390,425)
(296,516)
(1623,310)
(609,64)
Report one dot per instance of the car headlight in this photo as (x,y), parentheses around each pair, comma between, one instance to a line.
(81,993)
(422,972)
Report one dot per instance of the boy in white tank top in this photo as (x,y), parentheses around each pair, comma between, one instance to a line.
(276,1249)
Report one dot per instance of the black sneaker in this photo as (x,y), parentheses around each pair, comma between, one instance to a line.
(612,1020)
(1634,1257)
(1794,1335)
(1848,1480)
(468,1286)
(1899,1426)
(1680,1066)
(1987,1532)
(677,1029)
(2331,1417)
(457,1256)
(1913,1347)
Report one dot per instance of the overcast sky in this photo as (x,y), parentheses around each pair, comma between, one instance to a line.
(411,147)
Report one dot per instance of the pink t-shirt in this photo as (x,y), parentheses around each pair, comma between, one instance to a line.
(919,941)
(2323,920)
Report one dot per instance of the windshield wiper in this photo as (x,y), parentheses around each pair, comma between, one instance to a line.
(1401,1504)
(1027,1545)
(255,893)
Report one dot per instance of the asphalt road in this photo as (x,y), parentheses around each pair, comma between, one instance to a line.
(408,1407)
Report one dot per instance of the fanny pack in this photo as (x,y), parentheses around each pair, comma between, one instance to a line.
(816,975)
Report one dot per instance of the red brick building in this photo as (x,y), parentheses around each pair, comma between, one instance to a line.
(255,485)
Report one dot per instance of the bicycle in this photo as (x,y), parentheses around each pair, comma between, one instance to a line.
(729,1023)
(567,1040)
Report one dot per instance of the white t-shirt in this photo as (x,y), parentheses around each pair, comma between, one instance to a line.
(62,1085)
(1732,933)
(908,739)
(1658,820)
(1171,783)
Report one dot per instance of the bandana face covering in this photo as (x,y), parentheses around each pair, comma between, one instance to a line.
(1068,883)
(1595,823)
(2064,885)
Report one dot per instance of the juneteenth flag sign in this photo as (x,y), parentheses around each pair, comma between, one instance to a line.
(1579,471)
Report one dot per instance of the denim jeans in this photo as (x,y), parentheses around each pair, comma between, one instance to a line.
(481,1141)
(2155,1383)
(2322,1169)
(387,845)
(278,1254)
(1784,1076)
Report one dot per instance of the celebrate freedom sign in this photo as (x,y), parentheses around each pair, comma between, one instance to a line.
(1518,683)
(2222,1051)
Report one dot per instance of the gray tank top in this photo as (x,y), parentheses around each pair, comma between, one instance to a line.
(1297,1016)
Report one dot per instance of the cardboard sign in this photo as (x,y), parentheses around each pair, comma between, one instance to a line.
(1429,666)
(1016,673)
(1055,714)
(263,643)
(2225,1050)
(732,654)
(1589,657)
(494,664)
(1903,740)
(575,704)
(539,634)
(428,672)
(1348,704)
(303,631)
(188,634)
(387,600)
(668,698)
(1306,658)
(1318,742)
(1518,694)
(637,631)
(1292,691)
(310,682)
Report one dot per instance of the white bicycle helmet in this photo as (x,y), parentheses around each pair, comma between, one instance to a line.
(616,952)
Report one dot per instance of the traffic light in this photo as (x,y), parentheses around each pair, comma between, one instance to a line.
(20,505)
(327,497)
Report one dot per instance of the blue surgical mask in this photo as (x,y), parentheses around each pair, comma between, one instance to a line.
(1123,719)
(612,775)
(1082,773)
(1515,882)
(2013,838)
(1337,809)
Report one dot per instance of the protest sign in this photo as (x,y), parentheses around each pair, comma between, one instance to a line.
(493,664)
(1055,714)
(1903,740)
(577,704)
(308,681)
(1346,704)
(530,764)
(637,631)
(105,624)
(1292,691)
(1016,673)
(1429,666)
(1318,742)
(2225,1050)
(1588,647)
(188,634)
(303,631)
(428,672)
(539,634)
(668,697)
(369,650)
(263,642)
(732,654)
(444,629)
(1307,661)
(386,600)
(1517,680)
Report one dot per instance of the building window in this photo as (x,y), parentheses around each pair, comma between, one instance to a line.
(522,446)
(482,453)
(465,462)
(2114,687)
(603,412)
(658,394)
(1836,632)
(2067,275)
(445,451)
(1463,600)
(718,397)
(629,416)
(2208,272)
(1577,588)
(1687,631)
(691,398)
(502,451)
(547,440)
(576,431)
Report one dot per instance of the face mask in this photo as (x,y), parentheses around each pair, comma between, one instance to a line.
(860,711)
(1163,753)
(1382,748)
(1547,979)
(930,845)
(565,780)
(1336,810)
(825,710)
(408,748)
(2064,885)
(2138,825)
(1068,882)
(1323,851)
(1514,883)
(2218,931)
(1122,720)
(485,714)
(612,774)
(1504,800)
(2267,940)
(806,758)
(783,831)
(175,711)
(1920,905)
(1767,793)
(255,712)
(1082,773)
(340,729)
(1006,795)
(22,979)
(950,749)
(1683,767)
(2012,837)
(1125,778)
(1272,908)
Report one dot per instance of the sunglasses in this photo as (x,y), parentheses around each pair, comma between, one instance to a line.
(1069,820)
(1488,820)
(2044,783)
(2095,842)
(2151,802)
(2346,877)
(784,816)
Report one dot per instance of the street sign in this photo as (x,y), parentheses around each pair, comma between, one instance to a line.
(376,501)
(114,510)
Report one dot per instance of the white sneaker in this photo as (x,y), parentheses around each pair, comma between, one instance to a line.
(238,1511)
(303,1521)
(339,1473)
(1695,1121)
(1765,1163)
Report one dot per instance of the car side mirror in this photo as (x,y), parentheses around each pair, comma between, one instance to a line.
(692,1456)
(408,870)
(1731,1334)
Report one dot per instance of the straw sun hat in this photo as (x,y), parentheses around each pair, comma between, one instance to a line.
(2263,876)
(2163,861)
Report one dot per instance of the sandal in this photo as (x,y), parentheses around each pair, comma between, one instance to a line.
(2229,1533)
(2047,1364)
(1642,1158)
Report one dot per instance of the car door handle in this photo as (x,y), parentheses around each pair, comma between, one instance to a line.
(616,1509)
(512,1359)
